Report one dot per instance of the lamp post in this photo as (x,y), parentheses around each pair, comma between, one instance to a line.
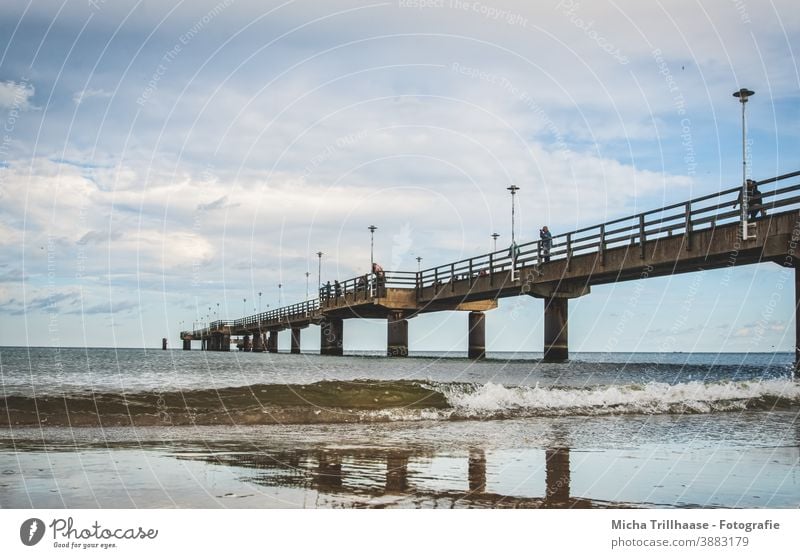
(279,295)
(513,189)
(494,237)
(259,302)
(307,274)
(372,229)
(319,272)
(742,95)
(218,310)
(244,307)
(419,264)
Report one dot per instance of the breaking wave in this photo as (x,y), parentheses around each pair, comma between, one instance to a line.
(378,401)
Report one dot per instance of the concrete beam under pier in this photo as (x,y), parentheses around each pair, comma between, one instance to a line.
(331,332)
(477,336)
(295,340)
(397,334)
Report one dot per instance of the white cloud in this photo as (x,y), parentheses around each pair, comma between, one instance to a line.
(89,93)
(16,95)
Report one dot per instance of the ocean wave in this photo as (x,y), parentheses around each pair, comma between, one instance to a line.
(380,401)
(651,398)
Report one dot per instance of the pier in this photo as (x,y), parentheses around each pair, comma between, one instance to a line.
(699,234)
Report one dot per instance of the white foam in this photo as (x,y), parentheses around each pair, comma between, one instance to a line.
(651,398)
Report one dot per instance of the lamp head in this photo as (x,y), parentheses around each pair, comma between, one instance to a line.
(743,94)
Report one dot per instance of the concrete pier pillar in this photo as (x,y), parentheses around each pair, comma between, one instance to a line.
(477,336)
(557,476)
(397,335)
(247,345)
(187,344)
(258,342)
(272,342)
(331,340)
(796,322)
(556,347)
(226,343)
(163,343)
(295,340)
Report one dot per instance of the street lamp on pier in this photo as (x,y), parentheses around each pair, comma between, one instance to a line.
(259,302)
(494,237)
(742,95)
(319,272)
(372,229)
(513,189)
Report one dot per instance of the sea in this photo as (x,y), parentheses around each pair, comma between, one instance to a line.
(134,428)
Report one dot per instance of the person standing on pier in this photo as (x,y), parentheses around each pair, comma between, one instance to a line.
(380,276)
(547,242)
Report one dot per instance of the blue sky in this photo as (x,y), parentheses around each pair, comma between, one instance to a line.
(161,158)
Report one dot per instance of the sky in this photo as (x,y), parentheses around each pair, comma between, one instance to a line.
(164,163)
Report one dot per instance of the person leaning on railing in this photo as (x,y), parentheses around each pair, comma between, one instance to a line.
(754,197)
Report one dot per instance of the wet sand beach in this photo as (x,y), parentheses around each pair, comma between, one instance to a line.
(752,461)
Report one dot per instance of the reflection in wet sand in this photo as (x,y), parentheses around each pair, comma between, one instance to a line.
(477,471)
(557,491)
(354,476)
(396,472)
(329,471)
